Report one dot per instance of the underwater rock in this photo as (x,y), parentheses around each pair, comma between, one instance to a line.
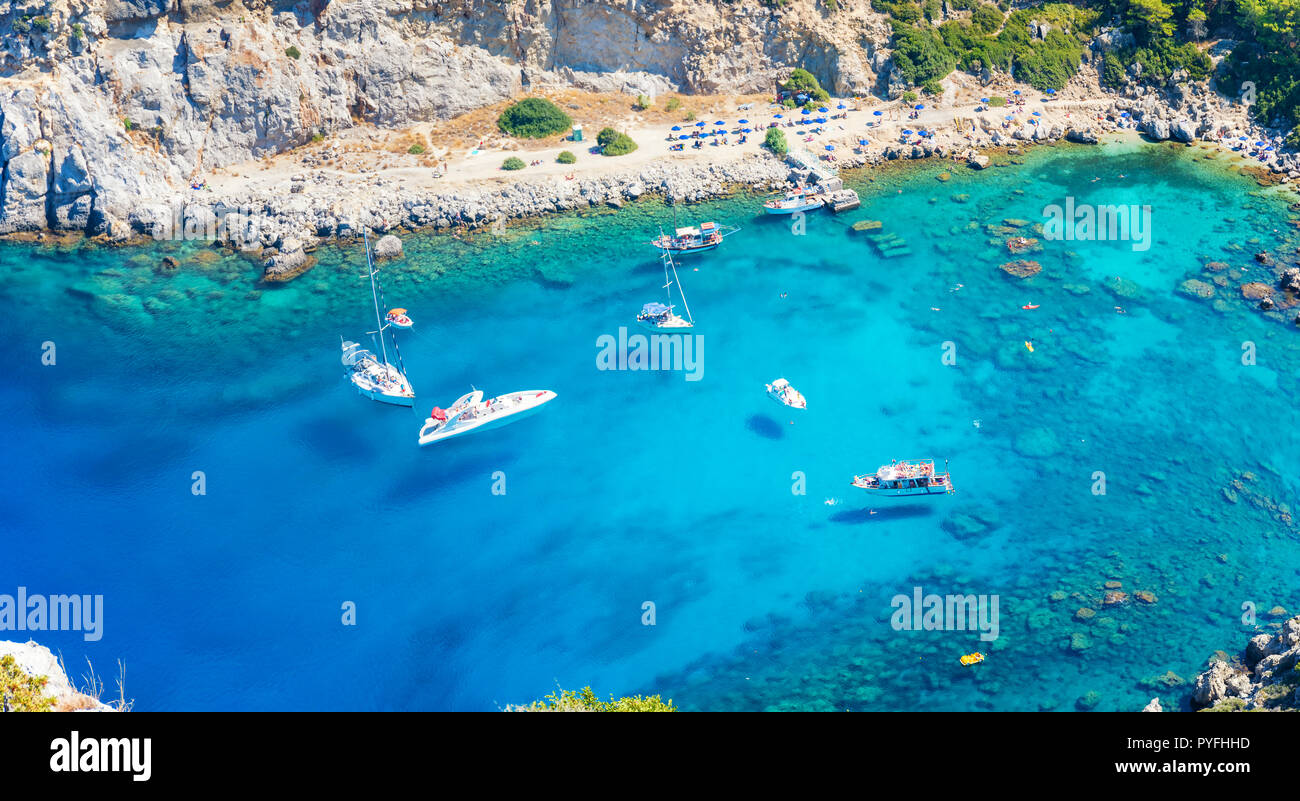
(1088,700)
(1079,642)
(1124,288)
(1196,288)
(1153,706)
(1114,597)
(1084,613)
(971,522)
(1023,244)
(1255,290)
(1021,268)
(1145,596)
(1037,443)
(1216,266)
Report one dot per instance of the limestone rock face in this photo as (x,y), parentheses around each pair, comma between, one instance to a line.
(135,98)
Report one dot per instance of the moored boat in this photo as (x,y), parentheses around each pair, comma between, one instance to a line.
(786,395)
(398,318)
(373,375)
(471,413)
(660,316)
(906,477)
(693,240)
(796,200)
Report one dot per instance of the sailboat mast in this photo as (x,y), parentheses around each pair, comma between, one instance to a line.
(685,305)
(374,294)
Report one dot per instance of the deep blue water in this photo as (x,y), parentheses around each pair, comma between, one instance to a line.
(643,486)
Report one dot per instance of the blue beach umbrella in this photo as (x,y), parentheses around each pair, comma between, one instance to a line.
(744,130)
(1241,138)
(743,122)
(841,105)
(1051,91)
(823,109)
(984,100)
(779,116)
(1123,113)
(699,124)
(1010,117)
(677,127)
(862,141)
(719,122)
(830,147)
(1016,92)
(907,131)
(1270,147)
(877,113)
(806,111)
(1038,113)
(919,106)
(683,136)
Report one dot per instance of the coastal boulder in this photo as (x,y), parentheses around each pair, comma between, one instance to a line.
(388,248)
(290,262)
(978,161)
(1184,130)
(1157,129)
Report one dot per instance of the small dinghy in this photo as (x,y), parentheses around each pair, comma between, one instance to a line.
(786,395)
(398,318)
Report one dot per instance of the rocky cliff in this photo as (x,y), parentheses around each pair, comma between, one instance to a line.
(1265,677)
(105,104)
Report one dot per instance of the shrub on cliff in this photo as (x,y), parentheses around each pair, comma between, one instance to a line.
(775,141)
(22,692)
(533,118)
(513,163)
(613,143)
(566,157)
(802,81)
(1113,74)
(585,700)
(920,55)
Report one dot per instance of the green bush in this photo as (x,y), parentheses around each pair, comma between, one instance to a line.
(533,118)
(613,143)
(775,141)
(997,102)
(920,55)
(566,157)
(292,52)
(41,24)
(933,88)
(801,80)
(643,102)
(416,149)
(986,18)
(673,104)
(26,693)
(1113,74)
(909,97)
(513,163)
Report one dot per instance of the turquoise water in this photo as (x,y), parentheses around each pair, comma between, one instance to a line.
(639,487)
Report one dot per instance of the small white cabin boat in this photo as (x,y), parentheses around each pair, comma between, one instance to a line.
(786,395)
(796,200)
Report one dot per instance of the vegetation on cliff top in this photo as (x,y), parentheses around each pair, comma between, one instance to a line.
(20,692)
(585,700)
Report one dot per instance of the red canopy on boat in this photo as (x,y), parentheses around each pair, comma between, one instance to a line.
(438,414)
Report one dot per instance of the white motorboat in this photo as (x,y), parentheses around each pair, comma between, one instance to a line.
(398,318)
(692,239)
(786,395)
(373,375)
(796,200)
(660,316)
(471,413)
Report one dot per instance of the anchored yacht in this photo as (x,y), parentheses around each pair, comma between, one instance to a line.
(471,413)
(906,477)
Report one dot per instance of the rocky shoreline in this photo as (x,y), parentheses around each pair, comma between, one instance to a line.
(1263,677)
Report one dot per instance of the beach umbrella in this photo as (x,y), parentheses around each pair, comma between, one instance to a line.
(699,124)
(862,141)
(719,122)
(919,106)
(743,122)
(907,131)
(1038,113)
(1259,144)
(1009,117)
(1016,92)
(683,136)
(877,113)
(677,127)
(806,111)
(1123,113)
(744,130)
(1051,91)
(779,116)
(830,147)
(823,109)
(984,100)
(820,119)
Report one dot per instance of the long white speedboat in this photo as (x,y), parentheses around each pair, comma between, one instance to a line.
(796,200)
(471,413)
(786,395)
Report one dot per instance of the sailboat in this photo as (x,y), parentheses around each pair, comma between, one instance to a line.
(374,376)
(660,316)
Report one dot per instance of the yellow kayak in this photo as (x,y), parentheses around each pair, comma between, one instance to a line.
(972,659)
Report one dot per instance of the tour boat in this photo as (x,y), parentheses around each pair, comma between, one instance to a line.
(398,318)
(374,376)
(660,316)
(906,477)
(786,395)
(693,240)
(471,413)
(794,201)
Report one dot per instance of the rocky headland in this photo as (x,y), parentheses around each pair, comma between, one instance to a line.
(1263,677)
